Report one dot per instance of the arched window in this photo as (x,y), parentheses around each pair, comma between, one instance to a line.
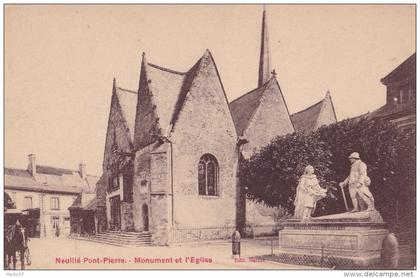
(208,170)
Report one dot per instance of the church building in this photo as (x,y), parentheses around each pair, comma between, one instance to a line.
(172,152)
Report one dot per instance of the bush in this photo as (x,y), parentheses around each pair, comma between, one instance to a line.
(271,175)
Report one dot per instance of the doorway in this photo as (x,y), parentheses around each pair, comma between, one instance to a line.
(145,214)
(115,213)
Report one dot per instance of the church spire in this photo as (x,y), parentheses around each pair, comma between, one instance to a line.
(264,71)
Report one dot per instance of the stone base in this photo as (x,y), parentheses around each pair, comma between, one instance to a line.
(345,239)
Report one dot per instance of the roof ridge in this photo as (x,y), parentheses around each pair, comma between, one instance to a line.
(309,107)
(166,69)
(123,114)
(249,92)
(399,66)
(189,77)
(127,90)
(73,170)
(12,168)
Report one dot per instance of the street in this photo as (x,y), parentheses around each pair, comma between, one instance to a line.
(67,253)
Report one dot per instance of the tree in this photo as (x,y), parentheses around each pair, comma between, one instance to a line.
(271,175)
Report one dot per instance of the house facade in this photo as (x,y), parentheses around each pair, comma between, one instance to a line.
(400,106)
(43,194)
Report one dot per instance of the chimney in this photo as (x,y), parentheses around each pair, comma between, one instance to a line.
(82,170)
(32,164)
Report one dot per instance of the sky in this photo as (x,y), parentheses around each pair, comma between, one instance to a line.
(60,62)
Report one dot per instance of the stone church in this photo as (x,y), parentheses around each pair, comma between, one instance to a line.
(172,149)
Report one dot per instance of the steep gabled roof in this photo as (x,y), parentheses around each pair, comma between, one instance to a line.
(128,100)
(305,120)
(166,87)
(244,107)
(308,120)
(167,90)
(187,82)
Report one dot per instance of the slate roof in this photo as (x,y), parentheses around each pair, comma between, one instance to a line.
(169,89)
(49,179)
(388,110)
(48,170)
(305,120)
(128,102)
(91,205)
(166,86)
(408,67)
(244,107)
(85,201)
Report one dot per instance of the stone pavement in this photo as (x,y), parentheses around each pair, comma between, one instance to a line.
(67,253)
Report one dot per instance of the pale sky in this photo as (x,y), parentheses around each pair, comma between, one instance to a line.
(60,62)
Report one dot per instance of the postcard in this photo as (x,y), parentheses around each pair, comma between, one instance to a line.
(277,136)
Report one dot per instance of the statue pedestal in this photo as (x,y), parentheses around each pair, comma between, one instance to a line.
(344,241)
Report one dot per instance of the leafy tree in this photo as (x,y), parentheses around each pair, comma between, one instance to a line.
(271,175)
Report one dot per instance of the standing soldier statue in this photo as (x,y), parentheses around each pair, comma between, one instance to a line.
(358,182)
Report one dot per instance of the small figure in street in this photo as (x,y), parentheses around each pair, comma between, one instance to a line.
(358,182)
(236,244)
(308,193)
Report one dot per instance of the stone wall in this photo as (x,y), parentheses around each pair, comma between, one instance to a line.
(260,219)
(141,186)
(271,119)
(161,195)
(202,233)
(117,131)
(101,188)
(204,126)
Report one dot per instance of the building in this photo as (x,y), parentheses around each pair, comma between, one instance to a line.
(173,147)
(315,116)
(400,106)
(45,193)
(83,220)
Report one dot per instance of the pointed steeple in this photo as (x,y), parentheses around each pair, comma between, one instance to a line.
(327,94)
(264,71)
(114,86)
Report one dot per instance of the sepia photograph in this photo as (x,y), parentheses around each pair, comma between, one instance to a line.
(210,137)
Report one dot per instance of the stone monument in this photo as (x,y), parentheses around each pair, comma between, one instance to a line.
(345,240)
(349,240)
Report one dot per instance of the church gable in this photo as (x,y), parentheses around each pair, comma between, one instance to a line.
(244,107)
(315,116)
(147,125)
(270,119)
(127,100)
(327,114)
(119,127)
(203,101)
(204,131)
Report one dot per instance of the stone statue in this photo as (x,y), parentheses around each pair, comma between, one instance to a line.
(358,182)
(308,193)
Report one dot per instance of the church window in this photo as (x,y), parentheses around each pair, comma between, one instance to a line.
(208,175)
